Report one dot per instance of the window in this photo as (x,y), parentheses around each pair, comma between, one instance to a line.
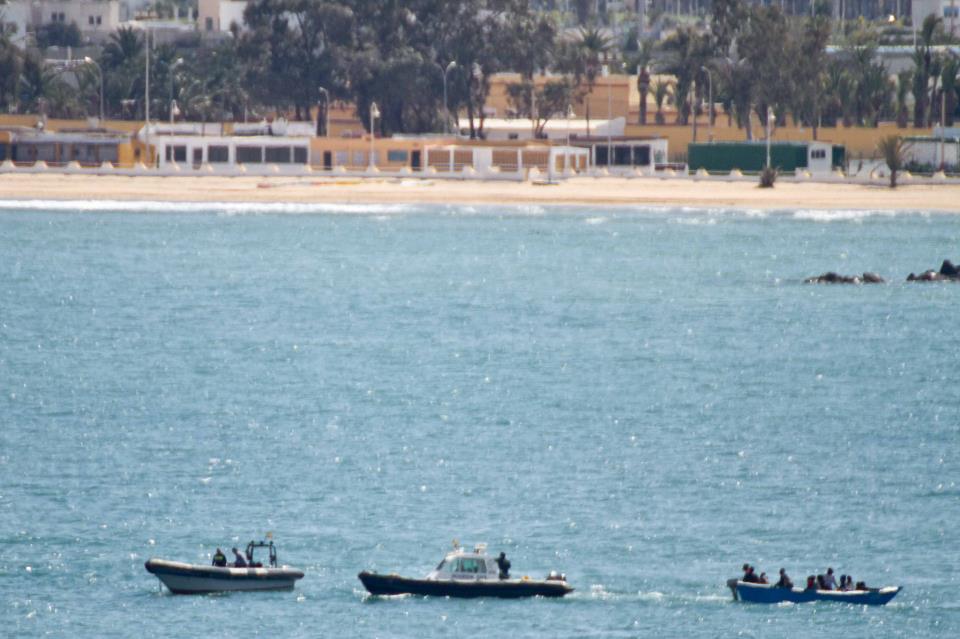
(53,17)
(468,565)
(180,154)
(249,155)
(208,23)
(300,155)
(278,154)
(641,155)
(99,20)
(218,154)
(397,155)
(62,17)
(818,154)
(90,20)
(622,155)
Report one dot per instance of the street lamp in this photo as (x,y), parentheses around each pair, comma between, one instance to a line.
(446,111)
(709,103)
(374,114)
(326,112)
(89,60)
(770,120)
(606,73)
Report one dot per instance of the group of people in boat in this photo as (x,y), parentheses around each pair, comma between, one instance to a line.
(814,582)
(220,560)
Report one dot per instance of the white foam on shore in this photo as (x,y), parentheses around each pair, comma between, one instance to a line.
(849,215)
(221,208)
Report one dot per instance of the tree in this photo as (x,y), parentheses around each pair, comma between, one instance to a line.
(662,90)
(904,80)
(893,150)
(685,53)
(949,70)
(10,68)
(584,61)
(924,60)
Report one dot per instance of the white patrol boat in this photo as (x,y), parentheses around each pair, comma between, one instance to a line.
(188,579)
(466,574)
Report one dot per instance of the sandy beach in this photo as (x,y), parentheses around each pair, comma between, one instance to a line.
(389,190)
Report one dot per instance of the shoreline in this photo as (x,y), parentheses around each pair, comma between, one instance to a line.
(581,191)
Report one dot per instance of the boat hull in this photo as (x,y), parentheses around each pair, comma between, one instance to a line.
(507,588)
(190,579)
(762,593)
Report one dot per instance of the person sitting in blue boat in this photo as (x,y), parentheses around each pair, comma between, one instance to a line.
(861,585)
(219,559)
(811,583)
(239,560)
(763,578)
(829,583)
(749,576)
(784,581)
(821,583)
(845,585)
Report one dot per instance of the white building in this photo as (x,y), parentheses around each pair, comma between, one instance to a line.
(554,129)
(15,19)
(96,19)
(948,10)
(217,16)
(189,146)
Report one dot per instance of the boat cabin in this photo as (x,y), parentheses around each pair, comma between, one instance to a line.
(461,565)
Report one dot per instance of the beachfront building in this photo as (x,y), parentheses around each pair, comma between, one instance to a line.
(818,158)
(622,154)
(190,146)
(933,152)
(87,147)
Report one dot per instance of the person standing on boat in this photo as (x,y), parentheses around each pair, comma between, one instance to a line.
(239,560)
(784,581)
(219,559)
(829,583)
(504,565)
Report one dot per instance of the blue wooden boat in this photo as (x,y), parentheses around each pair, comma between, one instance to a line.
(763,593)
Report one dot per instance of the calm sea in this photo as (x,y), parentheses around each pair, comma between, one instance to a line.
(643,399)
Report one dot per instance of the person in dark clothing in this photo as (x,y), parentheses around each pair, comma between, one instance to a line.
(219,559)
(749,576)
(811,583)
(821,584)
(240,560)
(763,578)
(504,565)
(784,581)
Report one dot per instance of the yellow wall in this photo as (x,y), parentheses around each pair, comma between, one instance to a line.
(622,95)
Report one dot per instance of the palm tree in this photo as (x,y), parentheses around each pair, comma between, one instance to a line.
(893,149)
(661,93)
(923,60)
(592,48)
(904,80)
(949,71)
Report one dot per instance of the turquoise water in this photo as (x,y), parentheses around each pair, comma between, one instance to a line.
(643,399)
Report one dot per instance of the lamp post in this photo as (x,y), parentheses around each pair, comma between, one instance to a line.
(709,103)
(146,99)
(606,74)
(770,119)
(446,111)
(326,112)
(374,114)
(89,60)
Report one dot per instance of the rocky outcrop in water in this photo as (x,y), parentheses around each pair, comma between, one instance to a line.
(835,278)
(947,273)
